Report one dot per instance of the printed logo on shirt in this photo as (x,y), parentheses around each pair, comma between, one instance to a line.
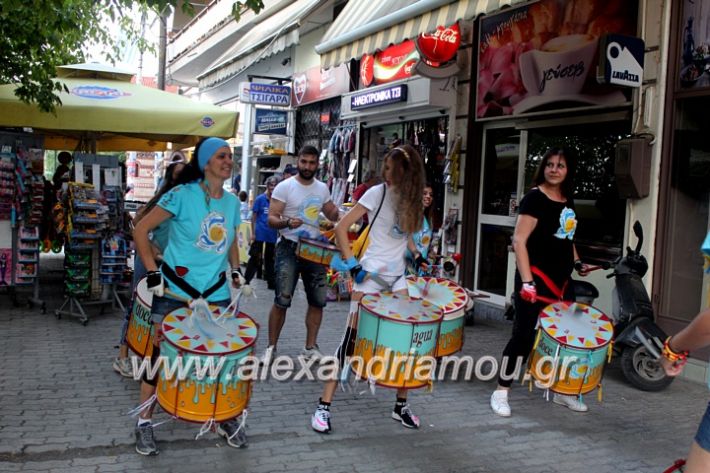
(213,234)
(395,231)
(310,208)
(426,239)
(568,224)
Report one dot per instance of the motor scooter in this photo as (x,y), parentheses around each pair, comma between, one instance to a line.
(637,337)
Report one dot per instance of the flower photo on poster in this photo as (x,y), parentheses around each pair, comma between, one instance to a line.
(542,56)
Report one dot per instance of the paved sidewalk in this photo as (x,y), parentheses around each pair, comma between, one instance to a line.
(62,408)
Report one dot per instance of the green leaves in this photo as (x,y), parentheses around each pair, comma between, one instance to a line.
(36,36)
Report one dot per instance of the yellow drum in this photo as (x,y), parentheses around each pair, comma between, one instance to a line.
(196,394)
(452,299)
(139,334)
(577,338)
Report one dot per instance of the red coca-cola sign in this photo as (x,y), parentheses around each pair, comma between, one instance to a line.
(395,62)
(367,70)
(441,45)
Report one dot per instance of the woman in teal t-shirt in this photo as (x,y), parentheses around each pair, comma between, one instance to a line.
(202,241)
(422,237)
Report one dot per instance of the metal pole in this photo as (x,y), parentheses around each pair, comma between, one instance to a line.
(162,45)
(246,148)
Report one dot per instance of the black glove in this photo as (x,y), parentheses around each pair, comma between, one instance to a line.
(358,274)
(238,277)
(154,281)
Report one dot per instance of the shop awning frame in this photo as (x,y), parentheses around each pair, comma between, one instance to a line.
(273,35)
(359,29)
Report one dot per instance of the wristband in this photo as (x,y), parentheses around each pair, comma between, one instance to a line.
(673,356)
(529,283)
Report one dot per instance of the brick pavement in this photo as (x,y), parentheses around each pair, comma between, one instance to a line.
(62,408)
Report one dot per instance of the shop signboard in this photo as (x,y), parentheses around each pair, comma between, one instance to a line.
(318,84)
(270,122)
(538,57)
(620,60)
(376,98)
(695,45)
(395,62)
(265,94)
(440,46)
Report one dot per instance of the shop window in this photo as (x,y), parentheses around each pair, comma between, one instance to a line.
(429,137)
(600,211)
(493,258)
(687,212)
(500,179)
(316,122)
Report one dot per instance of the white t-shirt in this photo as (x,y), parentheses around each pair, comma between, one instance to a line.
(304,202)
(388,244)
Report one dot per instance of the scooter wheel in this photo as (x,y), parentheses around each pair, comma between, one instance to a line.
(642,370)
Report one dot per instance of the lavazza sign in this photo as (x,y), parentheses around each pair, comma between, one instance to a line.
(394,94)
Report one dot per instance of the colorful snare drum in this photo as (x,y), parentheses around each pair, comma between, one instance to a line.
(316,251)
(139,335)
(394,333)
(221,397)
(568,330)
(452,299)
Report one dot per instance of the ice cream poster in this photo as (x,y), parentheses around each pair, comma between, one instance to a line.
(543,56)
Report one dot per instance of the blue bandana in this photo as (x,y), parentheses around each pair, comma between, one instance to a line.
(207,149)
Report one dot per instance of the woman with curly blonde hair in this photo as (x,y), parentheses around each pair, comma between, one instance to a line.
(395,212)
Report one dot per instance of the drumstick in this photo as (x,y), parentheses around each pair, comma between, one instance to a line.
(425,290)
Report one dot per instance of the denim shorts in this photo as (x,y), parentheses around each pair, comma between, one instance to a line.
(702,437)
(288,267)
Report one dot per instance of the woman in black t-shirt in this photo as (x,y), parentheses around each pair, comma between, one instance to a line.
(545,256)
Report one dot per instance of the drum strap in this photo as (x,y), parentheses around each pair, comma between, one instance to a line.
(172,277)
(559,293)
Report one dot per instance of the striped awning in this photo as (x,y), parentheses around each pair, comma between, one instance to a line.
(365,26)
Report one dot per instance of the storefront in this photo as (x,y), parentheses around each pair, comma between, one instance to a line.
(680,285)
(418,111)
(536,90)
(316,97)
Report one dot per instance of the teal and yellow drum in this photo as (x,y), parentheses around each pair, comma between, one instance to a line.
(396,340)
(198,395)
(140,332)
(576,338)
(452,299)
(316,251)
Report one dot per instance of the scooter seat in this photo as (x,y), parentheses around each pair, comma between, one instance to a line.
(584,291)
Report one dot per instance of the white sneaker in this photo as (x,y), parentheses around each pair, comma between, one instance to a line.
(499,402)
(571,402)
(123,367)
(268,356)
(320,422)
(308,353)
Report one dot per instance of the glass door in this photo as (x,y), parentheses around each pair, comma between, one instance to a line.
(500,183)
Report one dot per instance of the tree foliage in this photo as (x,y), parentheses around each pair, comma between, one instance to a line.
(36,36)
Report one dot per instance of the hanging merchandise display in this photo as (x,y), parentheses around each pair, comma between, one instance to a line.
(21,212)
(113,259)
(95,250)
(451,168)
